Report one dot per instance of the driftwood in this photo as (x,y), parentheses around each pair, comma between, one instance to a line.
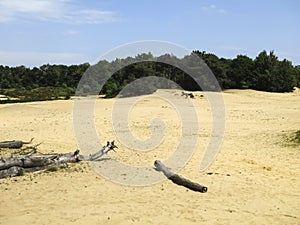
(187,95)
(159,166)
(17,165)
(30,162)
(14,144)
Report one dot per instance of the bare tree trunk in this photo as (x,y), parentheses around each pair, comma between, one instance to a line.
(159,166)
(14,166)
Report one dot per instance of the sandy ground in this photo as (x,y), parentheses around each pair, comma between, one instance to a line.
(254,180)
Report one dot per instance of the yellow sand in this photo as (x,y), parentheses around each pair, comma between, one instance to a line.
(255,180)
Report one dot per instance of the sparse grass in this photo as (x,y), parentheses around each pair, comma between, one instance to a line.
(288,138)
(21,173)
(76,167)
(5,152)
(296,139)
(52,168)
(293,139)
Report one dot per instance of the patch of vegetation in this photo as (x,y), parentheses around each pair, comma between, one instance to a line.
(296,138)
(52,168)
(21,173)
(291,139)
(15,95)
(4,152)
(76,168)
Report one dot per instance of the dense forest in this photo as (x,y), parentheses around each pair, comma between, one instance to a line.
(265,73)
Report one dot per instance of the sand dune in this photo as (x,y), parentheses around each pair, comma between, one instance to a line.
(254,180)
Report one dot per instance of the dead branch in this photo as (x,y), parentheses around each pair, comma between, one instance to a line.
(14,144)
(187,95)
(28,150)
(14,166)
(159,166)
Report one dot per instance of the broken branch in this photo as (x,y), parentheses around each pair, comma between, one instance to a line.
(14,166)
(159,166)
(14,144)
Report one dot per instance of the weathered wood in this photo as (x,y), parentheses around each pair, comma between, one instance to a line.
(187,95)
(11,172)
(17,170)
(13,144)
(159,166)
(109,146)
(13,166)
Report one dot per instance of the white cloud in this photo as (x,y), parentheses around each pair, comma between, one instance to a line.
(39,58)
(92,16)
(60,11)
(214,9)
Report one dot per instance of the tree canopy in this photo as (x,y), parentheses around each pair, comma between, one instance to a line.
(265,73)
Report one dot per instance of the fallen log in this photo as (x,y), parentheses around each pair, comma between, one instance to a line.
(14,166)
(14,144)
(159,166)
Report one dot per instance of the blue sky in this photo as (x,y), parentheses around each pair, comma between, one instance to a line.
(35,32)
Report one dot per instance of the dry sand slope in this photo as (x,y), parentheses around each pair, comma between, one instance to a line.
(254,180)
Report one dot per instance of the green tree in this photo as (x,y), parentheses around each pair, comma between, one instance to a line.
(272,74)
(240,73)
(283,79)
(297,75)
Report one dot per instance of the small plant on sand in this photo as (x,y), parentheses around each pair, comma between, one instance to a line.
(52,169)
(290,139)
(293,139)
(296,139)
(21,173)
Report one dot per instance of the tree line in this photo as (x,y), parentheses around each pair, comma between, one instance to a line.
(265,73)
